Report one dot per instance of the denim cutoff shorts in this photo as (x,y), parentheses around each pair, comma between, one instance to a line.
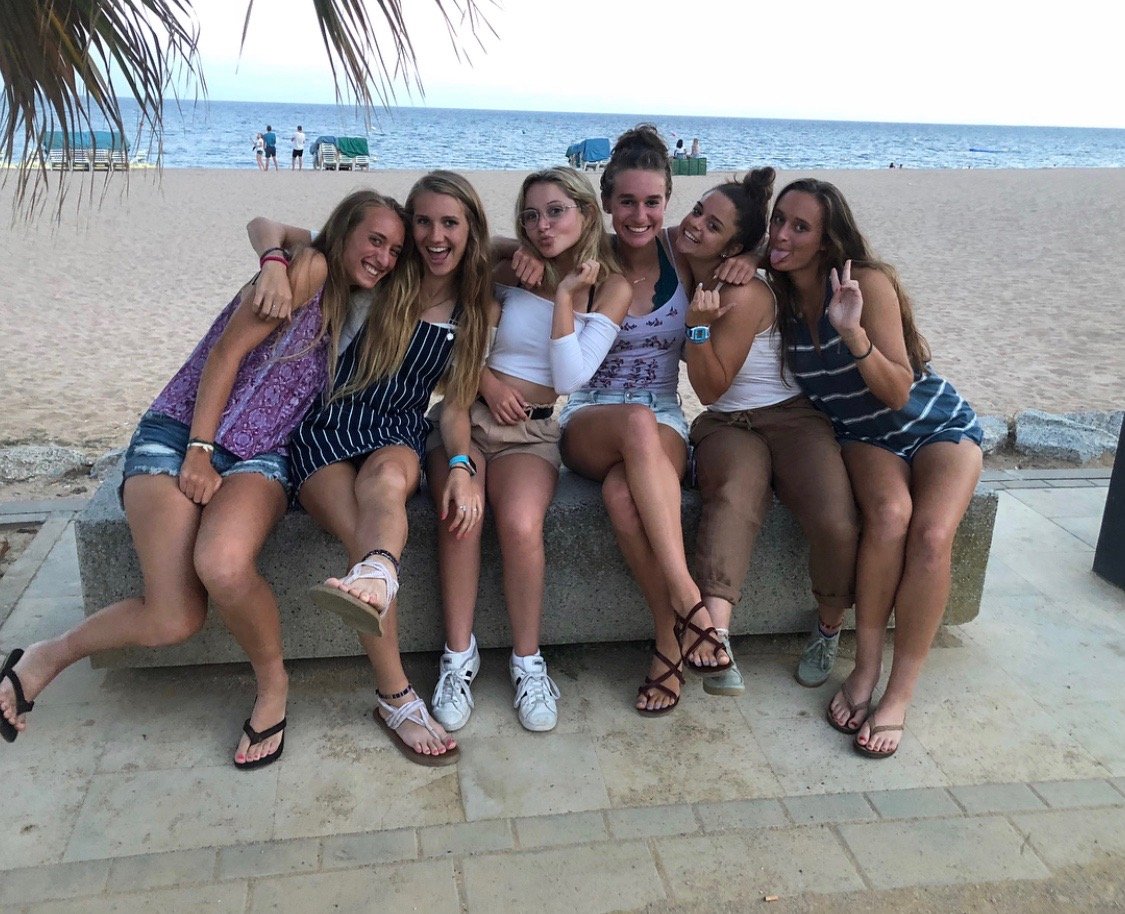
(159,444)
(665,406)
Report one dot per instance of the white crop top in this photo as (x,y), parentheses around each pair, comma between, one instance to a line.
(522,345)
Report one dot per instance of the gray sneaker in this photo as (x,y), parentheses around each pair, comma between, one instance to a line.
(818,658)
(453,701)
(729,681)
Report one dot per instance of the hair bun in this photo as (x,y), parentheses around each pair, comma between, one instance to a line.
(643,136)
(759,183)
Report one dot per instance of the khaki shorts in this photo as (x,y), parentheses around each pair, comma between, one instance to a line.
(535,436)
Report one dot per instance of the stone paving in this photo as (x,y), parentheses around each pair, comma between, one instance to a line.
(121,796)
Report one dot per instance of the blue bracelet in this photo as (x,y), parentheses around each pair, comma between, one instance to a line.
(464,461)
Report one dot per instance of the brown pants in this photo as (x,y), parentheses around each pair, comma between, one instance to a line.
(737,455)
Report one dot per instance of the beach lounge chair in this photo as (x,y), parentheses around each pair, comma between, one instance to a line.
(58,160)
(81,159)
(327,157)
(589,154)
(119,160)
(101,159)
(353,151)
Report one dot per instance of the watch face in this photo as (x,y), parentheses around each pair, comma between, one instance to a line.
(699,334)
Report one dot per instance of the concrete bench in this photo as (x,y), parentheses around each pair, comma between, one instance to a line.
(590,594)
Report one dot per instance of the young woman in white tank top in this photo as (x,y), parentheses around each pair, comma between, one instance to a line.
(759,430)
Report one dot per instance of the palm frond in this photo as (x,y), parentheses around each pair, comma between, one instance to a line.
(59,60)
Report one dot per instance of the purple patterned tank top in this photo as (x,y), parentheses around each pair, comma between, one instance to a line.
(276,384)
(646,353)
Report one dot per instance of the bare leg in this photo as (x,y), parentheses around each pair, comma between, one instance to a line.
(458,559)
(943,478)
(881,482)
(235,526)
(520,489)
(367,510)
(163,523)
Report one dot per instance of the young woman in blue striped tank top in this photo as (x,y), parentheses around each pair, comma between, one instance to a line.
(910,442)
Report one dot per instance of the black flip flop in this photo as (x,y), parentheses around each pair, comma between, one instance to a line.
(256,737)
(8,730)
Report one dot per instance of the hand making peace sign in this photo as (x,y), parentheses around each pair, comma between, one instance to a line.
(846,305)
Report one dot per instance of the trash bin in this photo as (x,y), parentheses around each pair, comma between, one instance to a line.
(1109,556)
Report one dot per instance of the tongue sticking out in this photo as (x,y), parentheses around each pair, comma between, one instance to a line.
(777,256)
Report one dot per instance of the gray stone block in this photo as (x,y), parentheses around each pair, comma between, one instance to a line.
(1075,437)
(996,432)
(591,596)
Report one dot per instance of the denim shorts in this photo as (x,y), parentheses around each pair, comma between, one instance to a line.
(665,406)
(159,444)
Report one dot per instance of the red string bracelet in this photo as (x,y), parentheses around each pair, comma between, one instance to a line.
(266,260)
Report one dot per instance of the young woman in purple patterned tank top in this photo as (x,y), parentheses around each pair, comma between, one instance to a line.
(206,476)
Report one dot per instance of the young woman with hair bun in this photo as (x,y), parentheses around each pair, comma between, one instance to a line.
(759,433)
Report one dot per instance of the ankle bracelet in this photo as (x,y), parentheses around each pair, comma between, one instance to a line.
(409,688)
(384,554)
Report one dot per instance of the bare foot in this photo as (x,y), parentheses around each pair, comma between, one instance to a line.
(428,738)
(701,652)
(890,715)
(664,682)
(35,669)
(369,581)
(850,705)
(269,708)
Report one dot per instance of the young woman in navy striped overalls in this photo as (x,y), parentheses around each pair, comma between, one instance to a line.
(910,442)
(357,458)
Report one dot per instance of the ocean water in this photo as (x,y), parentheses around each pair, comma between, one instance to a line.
(221,134)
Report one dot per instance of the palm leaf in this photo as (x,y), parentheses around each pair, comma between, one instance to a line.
(59,60)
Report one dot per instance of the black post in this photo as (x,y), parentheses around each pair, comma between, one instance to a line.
(1109,557)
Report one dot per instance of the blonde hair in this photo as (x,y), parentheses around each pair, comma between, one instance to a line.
(394,311)
(593,243)
(330,242)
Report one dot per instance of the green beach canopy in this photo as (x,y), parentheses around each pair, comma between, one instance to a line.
(85,139)
(352,146)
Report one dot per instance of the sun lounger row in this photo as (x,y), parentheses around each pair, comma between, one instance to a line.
(330,158)
(87,160)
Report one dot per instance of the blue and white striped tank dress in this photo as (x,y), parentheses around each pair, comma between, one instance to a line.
(390,411)
(831,379)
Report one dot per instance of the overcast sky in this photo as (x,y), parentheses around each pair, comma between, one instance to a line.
(961,61)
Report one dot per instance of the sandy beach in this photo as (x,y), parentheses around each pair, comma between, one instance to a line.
(1015,275)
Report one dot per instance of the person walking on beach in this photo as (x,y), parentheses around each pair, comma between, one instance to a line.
(298,139)
(357,458)
(271,147)
(759,433)
(911,444)
(207,476)
(260,151)
(547,342)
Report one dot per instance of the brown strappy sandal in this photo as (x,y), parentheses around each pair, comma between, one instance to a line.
(879,728)
(674,671)
(708,635)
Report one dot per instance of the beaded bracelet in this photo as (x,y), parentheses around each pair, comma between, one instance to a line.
(284,253)
(382,552)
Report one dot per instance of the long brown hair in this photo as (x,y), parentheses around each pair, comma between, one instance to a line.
(841,240)
(330,241)
(593,243)
(394,312)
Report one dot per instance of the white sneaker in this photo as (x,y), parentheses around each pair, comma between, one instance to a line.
(453,702)
(535,695)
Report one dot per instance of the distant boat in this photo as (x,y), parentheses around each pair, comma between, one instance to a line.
(986,149)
